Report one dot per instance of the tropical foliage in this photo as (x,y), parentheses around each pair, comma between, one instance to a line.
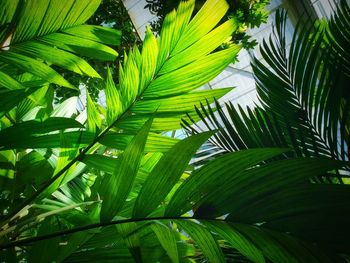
(303,98)
(101,184)
(304,106)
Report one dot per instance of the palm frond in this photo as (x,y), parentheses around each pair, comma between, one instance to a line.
(151,83)
(132,193)
(302,92)
(36,34)
(141,91)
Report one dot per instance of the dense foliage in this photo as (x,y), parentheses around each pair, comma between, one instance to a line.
(302,92)
(102,183)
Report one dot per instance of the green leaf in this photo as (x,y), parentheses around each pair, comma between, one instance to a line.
(100,34)
(34,67)
(114,101)
(22,131)
(191,76)
(295,210)
(149,59)
(182,103)
(155,142)
(94,120)
(276,246)
(45,249)
(203,46)
(159,143)
(129,76)
(169,36)
(237,240)
(9,83)
(131,238)
(77,138)
(204,21)
(43,17)
(75,240)
(166,174)
(29,35)
(116,187)
(167,239)
(67,108)
(102,162)
(205,184)
(9,99)
(303,251)
(203,238)
(67,152)
(271,249)
(33,169)
(149,79)
(58,57)
(265,180)
(162,122)
(84,47)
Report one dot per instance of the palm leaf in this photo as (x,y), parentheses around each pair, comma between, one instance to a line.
(142,77)
(263,189)
(302,92)
(37,33)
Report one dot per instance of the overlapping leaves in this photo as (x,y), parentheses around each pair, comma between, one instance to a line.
(163,76)
(37,34)
(128,175)
(304,101)
(157,82)
(303,94)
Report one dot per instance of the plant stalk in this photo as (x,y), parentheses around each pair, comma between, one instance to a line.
(97,225)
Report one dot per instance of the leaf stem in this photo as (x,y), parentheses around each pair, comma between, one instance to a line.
(97,225)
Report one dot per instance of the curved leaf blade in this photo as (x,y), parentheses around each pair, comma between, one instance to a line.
(115,188)
(166,174)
